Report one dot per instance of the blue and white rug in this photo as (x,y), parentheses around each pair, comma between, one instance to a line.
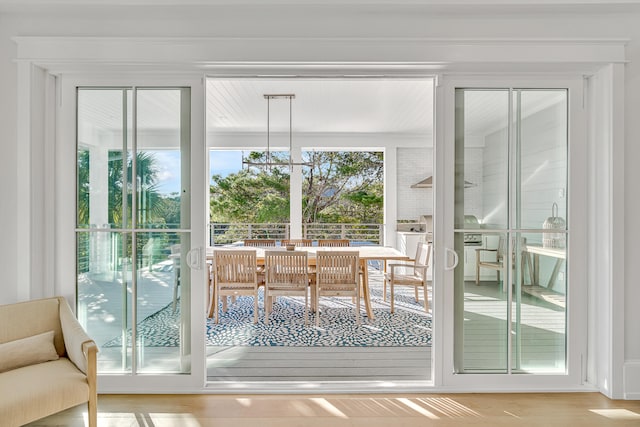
(410,325)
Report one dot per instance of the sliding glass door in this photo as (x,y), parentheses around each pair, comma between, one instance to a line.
(133,228)
(511,175)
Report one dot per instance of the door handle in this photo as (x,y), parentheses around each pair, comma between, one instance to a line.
(455,259)
(194,258)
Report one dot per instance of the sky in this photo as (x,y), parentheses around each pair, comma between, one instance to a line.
(221,162)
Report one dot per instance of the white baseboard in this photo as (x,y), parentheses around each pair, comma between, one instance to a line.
(631,375)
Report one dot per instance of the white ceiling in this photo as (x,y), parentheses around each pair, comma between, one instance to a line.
(321,105)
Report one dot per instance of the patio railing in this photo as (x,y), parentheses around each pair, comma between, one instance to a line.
(227,233)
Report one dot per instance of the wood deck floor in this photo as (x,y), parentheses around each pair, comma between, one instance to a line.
(541,347)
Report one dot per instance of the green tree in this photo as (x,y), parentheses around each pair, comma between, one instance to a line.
(147,198)
(341,187)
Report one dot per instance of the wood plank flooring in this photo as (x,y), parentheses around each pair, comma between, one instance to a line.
(319,363)
(408,410)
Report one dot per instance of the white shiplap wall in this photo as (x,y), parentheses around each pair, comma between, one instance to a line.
(414,165)
(543,165)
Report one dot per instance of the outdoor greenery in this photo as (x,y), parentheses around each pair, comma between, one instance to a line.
(340,187)
(153,210)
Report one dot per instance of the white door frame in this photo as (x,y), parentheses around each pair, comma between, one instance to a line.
(65,221)
(41,57)
(576,206)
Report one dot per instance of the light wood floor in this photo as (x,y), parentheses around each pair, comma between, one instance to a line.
(539,409)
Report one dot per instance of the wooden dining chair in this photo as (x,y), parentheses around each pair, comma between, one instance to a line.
(414,274)
(334,243)
(297,242)
(286,274)
(338,274)
(260,243)
(234,274)
(496,261)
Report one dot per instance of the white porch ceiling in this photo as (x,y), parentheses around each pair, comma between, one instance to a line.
(321,105)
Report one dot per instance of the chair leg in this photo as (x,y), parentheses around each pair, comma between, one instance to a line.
(255,307)
(176,283)
(358,309)
(426,297)
(267,307)
(415,291)
(391,296)
(384,290)
(318,306)
(477,273)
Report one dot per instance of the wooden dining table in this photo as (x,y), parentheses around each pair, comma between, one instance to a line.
(366,253)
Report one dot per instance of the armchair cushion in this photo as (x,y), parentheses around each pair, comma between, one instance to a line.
(27,351)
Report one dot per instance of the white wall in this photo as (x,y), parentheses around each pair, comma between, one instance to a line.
(8,162)
(413,165)
(381,22)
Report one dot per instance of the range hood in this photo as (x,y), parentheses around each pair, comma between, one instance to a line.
(428,183)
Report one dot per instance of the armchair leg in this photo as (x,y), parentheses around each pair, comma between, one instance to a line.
(92,411)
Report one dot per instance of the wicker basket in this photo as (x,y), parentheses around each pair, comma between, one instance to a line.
(554,222)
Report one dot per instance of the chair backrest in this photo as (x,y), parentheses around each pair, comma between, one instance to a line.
(334,242)
(502,249)
(337,269)
(259,243)
(235,268)
(285,269)
(423,257)
(297,242)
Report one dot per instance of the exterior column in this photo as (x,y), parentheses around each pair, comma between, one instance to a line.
(390,196)
(100,242)
(295,195)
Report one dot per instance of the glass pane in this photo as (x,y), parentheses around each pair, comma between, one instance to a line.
(113,267)
(480,277)
(160,190)
(482,152)
(100,175)
(542,144)
(160,286)
(104,295)
(539,309)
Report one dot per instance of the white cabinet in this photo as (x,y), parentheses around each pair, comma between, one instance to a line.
(407,242)
(470,262)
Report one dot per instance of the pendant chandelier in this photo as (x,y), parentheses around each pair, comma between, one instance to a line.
(269,162)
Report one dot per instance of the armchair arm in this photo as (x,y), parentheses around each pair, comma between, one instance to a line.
(414,267)
(80,348)
(479,251)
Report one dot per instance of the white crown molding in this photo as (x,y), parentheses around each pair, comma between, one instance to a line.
(217,54)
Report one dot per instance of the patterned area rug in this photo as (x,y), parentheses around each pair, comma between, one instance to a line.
(410,325)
